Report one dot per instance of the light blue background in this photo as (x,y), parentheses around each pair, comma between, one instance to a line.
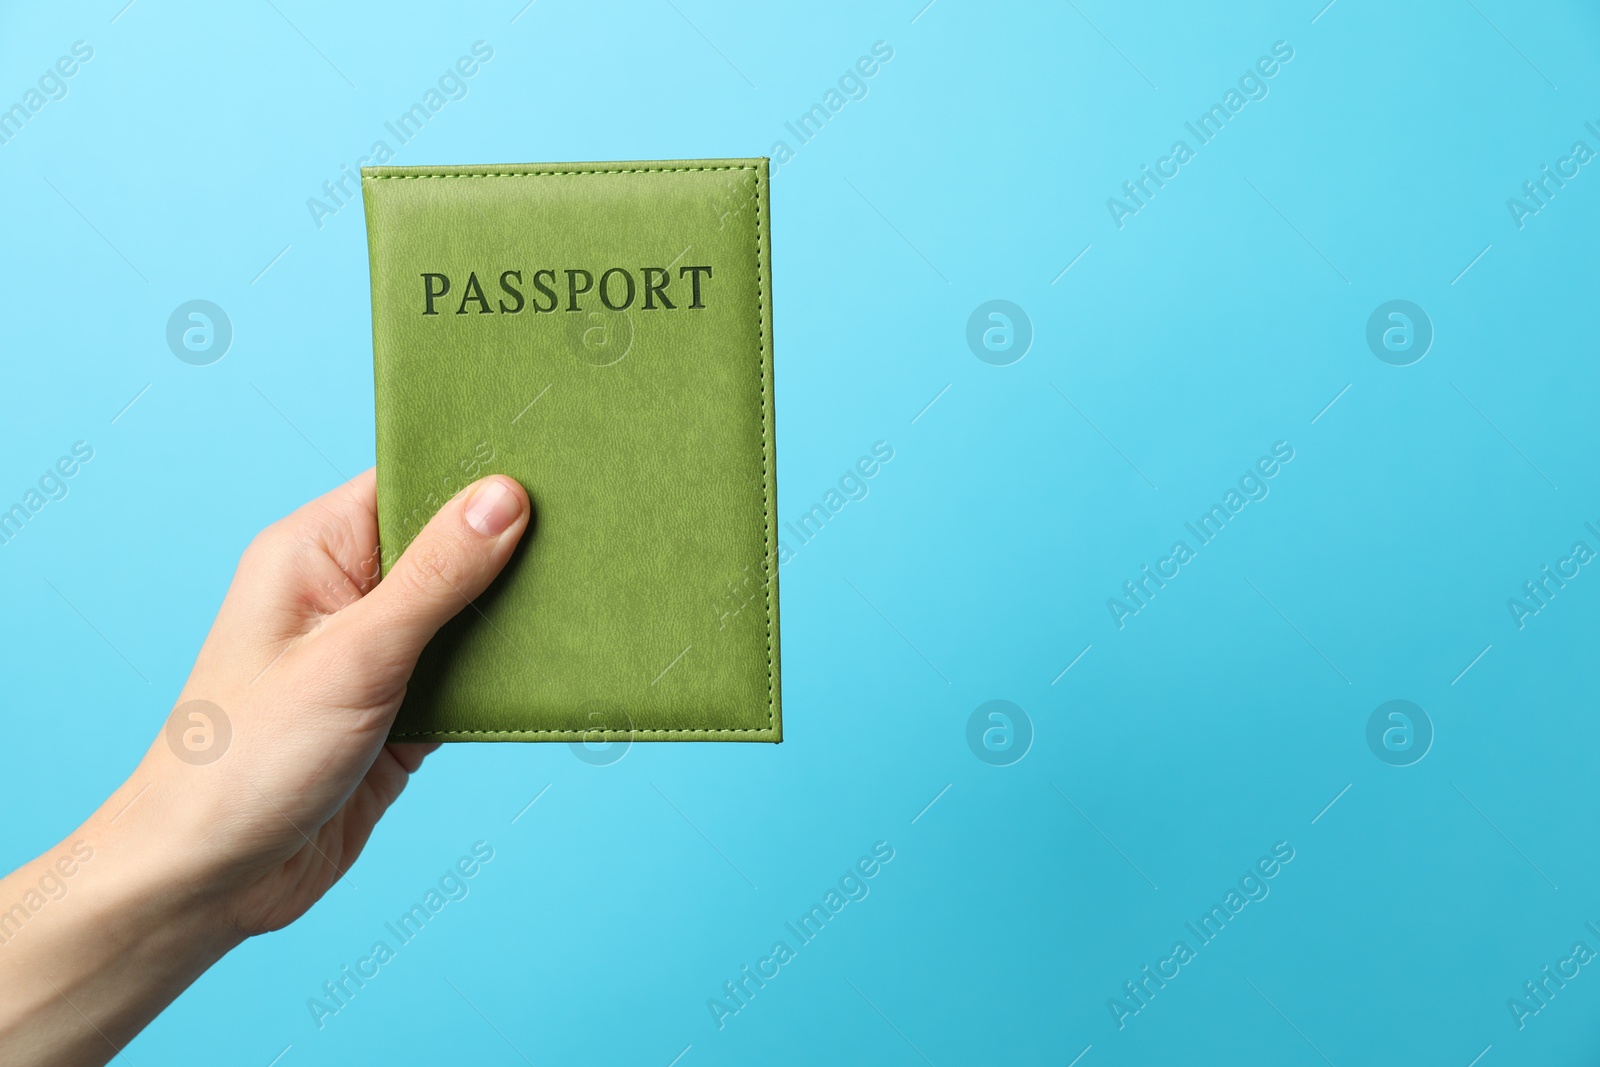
(1224,317)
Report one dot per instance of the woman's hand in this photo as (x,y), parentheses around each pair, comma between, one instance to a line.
(266,782)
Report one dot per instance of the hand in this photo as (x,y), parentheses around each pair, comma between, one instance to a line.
(307,663)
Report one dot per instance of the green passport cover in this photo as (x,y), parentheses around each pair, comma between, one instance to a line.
(601,332)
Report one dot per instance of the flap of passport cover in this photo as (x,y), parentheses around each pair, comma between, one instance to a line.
(601,332)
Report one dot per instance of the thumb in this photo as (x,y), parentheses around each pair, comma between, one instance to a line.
(451,562)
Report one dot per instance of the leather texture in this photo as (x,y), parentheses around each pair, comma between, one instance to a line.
(643,602)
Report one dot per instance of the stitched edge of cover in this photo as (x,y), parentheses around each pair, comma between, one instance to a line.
(767,506)
(553,173)
(766,476)
(685,733)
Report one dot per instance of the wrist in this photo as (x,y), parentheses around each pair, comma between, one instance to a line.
(152,863)
(116,897)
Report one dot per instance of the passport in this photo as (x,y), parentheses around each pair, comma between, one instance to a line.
(602,333)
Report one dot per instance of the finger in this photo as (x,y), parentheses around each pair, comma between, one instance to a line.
(333,540)
(451,562)
(384,781)
(343,523)
(410,755)
(355,501)
(375,794)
